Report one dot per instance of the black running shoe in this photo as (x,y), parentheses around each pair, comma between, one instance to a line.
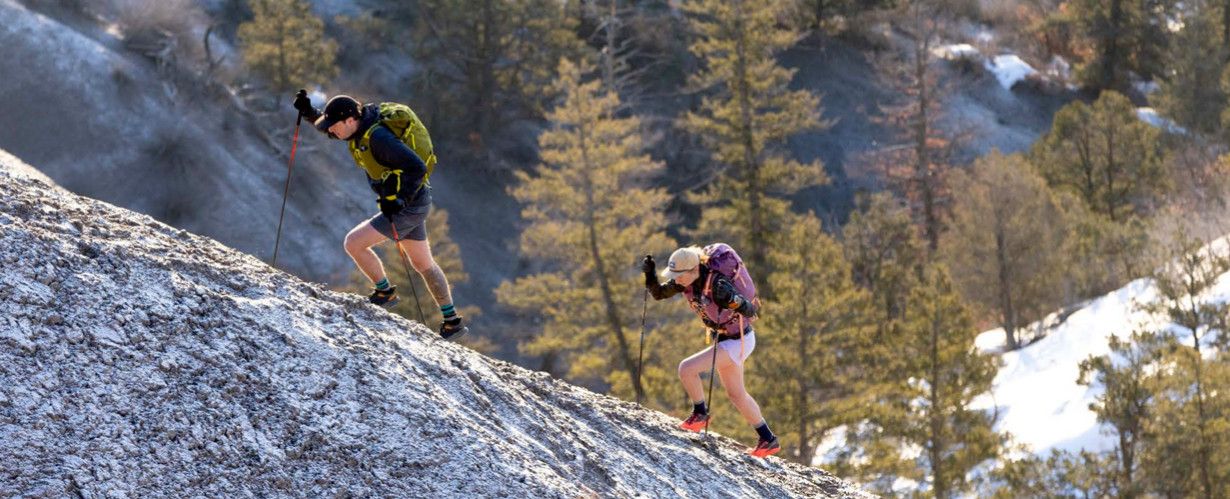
(384,297)
(453,328)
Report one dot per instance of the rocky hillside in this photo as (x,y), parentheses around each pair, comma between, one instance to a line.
(140,360)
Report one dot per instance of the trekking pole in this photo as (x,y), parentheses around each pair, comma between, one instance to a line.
(640,359)
(712,369)
(406,264)
(286,192)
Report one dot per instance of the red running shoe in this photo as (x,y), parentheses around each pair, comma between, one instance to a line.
(695,422)
(766,448)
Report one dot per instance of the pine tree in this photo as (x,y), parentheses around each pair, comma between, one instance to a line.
(1062,474)
(1124,404)
(883,250)
(803,374)
(881,244)
(487,62)
(1190,91)
(928,403)
(588,217)
(950,374)
(917,167)
(1186,452)
(1128,37)
(1007,243)
(745,118)
(1104,153)
(285,43)
(638,49)
(813,15)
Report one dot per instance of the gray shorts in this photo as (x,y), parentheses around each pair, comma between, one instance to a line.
(411,223)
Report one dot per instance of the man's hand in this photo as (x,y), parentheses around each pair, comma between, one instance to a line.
(391,207)
(303,104)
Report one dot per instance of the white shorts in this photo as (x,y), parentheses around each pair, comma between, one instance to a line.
(734,348)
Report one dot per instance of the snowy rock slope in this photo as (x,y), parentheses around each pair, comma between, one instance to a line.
(16,166)
(138,360)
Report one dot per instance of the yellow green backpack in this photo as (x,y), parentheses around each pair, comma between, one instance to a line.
(402,121)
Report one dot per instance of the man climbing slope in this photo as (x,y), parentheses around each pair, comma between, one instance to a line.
(389,142)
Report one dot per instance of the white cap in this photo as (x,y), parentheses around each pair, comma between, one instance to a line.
(682,260)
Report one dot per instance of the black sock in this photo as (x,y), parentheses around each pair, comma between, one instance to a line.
(765,433)
(699,408)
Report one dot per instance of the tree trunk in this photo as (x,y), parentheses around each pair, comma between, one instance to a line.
(1225,25)
(1111,174)
(604,280)
(1111,54)
(1203,449)
(482,71)
(1084,146)
(1005,294)
(819,6)
(608,55)
(757,237)
(800,402)
(936,446)
(922,166)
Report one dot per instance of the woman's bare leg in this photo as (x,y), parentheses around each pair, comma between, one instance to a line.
(689,373)
(732,379)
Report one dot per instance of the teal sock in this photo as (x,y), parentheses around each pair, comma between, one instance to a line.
(448,311)
(383,284)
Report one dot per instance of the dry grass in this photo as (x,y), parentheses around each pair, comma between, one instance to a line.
(146,22)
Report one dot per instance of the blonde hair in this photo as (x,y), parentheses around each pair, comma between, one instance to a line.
(700,253)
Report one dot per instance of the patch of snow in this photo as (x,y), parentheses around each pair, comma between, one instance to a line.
(1151,116)
(1009,69)
(985,35)
(1146,87)
(956,51)
(1059,68)
(1036,391)
(992,341)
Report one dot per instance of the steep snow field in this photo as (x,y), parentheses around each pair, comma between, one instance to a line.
(139,360)
(1036,393)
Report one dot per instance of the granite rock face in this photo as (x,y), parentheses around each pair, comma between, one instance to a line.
(139,360)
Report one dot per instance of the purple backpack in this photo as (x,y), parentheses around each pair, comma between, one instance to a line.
(721,258)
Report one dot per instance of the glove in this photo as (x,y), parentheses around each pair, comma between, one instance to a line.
(303,104)
(742,306)
(390,207)
(648,266)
